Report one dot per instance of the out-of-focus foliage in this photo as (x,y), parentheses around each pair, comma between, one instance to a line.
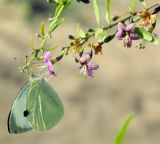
(39,7)
(123,130)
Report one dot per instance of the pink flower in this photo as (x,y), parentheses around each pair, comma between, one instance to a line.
(127,33)
(47,60)
(86,66)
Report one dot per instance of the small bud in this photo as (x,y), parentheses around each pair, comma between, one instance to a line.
(84,1)
(71,43)
(90,30)
(76,60)
(38,35)
(81,52)
(71,37)
(90,52)
(100,43)
(114,18)
(58,58)
(89,45)
(108,38)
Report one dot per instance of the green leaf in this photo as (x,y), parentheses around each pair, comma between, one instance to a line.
(98,32)
(107,39)
(145,35)
(143,2)
(42,29)
(108,15)
(55,23)
(59,10)
(133,6)
(67,3)
(155,40)
(44,106)
(122,132)
(81,33)
(17,120)
(96,10)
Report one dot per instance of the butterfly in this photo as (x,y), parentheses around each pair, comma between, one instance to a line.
(37,106)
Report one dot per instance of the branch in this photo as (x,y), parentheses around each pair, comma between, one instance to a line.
(127,18)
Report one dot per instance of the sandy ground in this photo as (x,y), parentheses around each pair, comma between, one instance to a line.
(128,80)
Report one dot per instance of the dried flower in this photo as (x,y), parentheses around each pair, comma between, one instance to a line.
(47,59)
(147,19)
(75,46)
(97,48)
(127,33)
(86,66)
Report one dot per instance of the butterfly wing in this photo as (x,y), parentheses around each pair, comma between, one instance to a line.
(17,119)
(45,107)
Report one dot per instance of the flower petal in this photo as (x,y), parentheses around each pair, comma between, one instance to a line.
(92,66)
(51,68)
(127,42)
(120,34)
(121,26)
(131,28)
(85,58)
(134,36)
(90,72)
(79,65)
(47,56)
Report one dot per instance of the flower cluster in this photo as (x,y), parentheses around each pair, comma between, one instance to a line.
(127,34)
(137,26)
(85,65)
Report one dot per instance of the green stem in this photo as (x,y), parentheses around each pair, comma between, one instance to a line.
(43,41)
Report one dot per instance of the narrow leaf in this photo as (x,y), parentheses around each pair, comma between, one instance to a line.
(81,33)
(108,38)
(122,132)
(55,23)
(108,16)
(96,10)
(143,2)
(98,32)
(59,10)
(133,6)
(42,29)
(67,3)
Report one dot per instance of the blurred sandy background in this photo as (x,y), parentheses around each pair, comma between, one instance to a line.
(128,80)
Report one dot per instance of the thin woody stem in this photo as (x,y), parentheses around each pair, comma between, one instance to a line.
(110,26)
(64,51)
(127,18)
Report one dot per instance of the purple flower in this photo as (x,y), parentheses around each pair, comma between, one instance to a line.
(86,66)
(47,59)
(127,33)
